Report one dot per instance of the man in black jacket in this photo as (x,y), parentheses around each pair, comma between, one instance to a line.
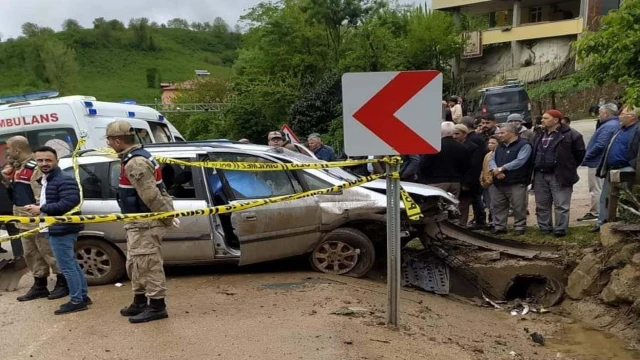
(60,194)
(471,179)
(557,153)
(478,205)
(446,169)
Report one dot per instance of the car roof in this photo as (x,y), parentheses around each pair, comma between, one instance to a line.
(186,149)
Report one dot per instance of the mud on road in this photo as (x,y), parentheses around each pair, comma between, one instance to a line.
(276,315)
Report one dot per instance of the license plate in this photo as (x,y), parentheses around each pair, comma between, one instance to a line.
(502,114)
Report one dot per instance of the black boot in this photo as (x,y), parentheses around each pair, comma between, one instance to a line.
(137,307)
(155,311)
(60,290)
(37,291)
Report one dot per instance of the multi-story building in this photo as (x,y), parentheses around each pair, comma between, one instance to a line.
(526,39)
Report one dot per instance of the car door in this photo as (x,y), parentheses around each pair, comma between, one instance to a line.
(273,231)
(193,240)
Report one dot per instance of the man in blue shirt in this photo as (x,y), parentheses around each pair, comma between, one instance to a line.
(322,152)
(621,154)
(510,166)
(608,125)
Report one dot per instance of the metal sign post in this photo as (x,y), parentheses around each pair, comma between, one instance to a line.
(392,113)
(393,244)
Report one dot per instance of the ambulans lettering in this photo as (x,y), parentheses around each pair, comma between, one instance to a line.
(29,120)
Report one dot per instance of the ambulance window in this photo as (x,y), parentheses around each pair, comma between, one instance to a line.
(160,132)
(143,135)
(62,140)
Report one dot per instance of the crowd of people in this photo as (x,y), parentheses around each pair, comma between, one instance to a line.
(493,167)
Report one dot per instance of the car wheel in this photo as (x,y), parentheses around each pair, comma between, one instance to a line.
(101,263)
(344,251)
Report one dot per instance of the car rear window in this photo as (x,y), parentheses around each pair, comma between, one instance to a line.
(505,97)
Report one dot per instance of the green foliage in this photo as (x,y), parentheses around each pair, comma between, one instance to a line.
(109,67)
(568,85)
(60,66)
(153,78)
(613,52)
(317,106)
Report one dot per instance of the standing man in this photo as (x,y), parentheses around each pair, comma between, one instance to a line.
(471,179)
(557,153)
(322,151)
(488,127)
(25,190)
(141,190)
(59,195)
(478,205)
(445,169)
(511,170)
(456,109)
(621,153)
(276,138)
(608,125)
(523,132)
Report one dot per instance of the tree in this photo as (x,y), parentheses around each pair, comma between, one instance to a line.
(220,27)
(142,38)
(30,30)
(60,66)
(317,106)
(99,22)
(178,23)
(611,53)
(153,78)
(71,25)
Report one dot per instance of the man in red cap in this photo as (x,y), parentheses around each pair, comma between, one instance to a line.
(557,153)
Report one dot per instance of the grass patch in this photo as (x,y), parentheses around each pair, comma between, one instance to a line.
(579,235)
(576,235)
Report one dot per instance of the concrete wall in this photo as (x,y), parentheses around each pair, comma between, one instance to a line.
(545,54)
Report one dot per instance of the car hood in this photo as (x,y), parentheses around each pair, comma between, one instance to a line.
(413,188)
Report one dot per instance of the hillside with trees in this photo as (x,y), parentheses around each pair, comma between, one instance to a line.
(114,61)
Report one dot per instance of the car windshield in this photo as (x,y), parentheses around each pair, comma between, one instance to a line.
(336,173)
(505,98)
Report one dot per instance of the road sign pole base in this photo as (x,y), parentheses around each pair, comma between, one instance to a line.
(393,245)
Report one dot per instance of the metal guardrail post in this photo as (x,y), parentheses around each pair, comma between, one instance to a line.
(393,244)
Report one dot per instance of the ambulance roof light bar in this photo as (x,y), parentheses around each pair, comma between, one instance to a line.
(38,95)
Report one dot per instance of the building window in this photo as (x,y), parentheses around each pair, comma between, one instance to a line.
(535,14)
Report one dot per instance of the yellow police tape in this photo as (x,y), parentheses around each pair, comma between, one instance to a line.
(247,166)
(413,212)
(76,171)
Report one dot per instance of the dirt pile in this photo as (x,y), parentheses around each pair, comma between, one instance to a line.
(605,285)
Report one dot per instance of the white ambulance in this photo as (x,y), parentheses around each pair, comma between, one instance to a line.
(59,122)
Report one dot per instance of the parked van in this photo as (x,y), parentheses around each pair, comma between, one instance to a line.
(59,122)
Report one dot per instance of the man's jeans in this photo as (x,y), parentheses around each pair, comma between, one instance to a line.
(63,249)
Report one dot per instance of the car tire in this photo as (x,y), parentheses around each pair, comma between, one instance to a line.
(344,251)
(101,262)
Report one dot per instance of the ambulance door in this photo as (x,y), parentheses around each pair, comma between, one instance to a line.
(50,125)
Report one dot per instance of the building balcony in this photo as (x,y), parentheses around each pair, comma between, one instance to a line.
(450,4)
(532,31)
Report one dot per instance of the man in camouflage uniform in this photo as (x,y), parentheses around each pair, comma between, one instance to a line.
(22,177)
(141,190)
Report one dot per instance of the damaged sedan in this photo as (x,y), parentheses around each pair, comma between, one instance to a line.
(340,232)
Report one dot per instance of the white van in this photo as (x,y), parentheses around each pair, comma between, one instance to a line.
(60,121)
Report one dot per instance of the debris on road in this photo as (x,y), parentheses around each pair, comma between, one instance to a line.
(537,338)
(351,311)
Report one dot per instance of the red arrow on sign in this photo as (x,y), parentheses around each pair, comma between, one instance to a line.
(378,114)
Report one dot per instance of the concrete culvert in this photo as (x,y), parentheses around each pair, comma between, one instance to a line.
(536,289)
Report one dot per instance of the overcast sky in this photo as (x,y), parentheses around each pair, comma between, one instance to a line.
(13,13)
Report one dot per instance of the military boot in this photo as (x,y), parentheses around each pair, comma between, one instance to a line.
(61,289)
(137,307)
(155,311)
(37,291)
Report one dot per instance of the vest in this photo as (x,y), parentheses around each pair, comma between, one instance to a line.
(507,154)
(128,199)
(22,193)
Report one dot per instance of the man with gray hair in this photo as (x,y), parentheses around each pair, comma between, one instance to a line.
(608,124)
(523,132)
(511,170)
(322,151)
(621,154)
(445,170)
